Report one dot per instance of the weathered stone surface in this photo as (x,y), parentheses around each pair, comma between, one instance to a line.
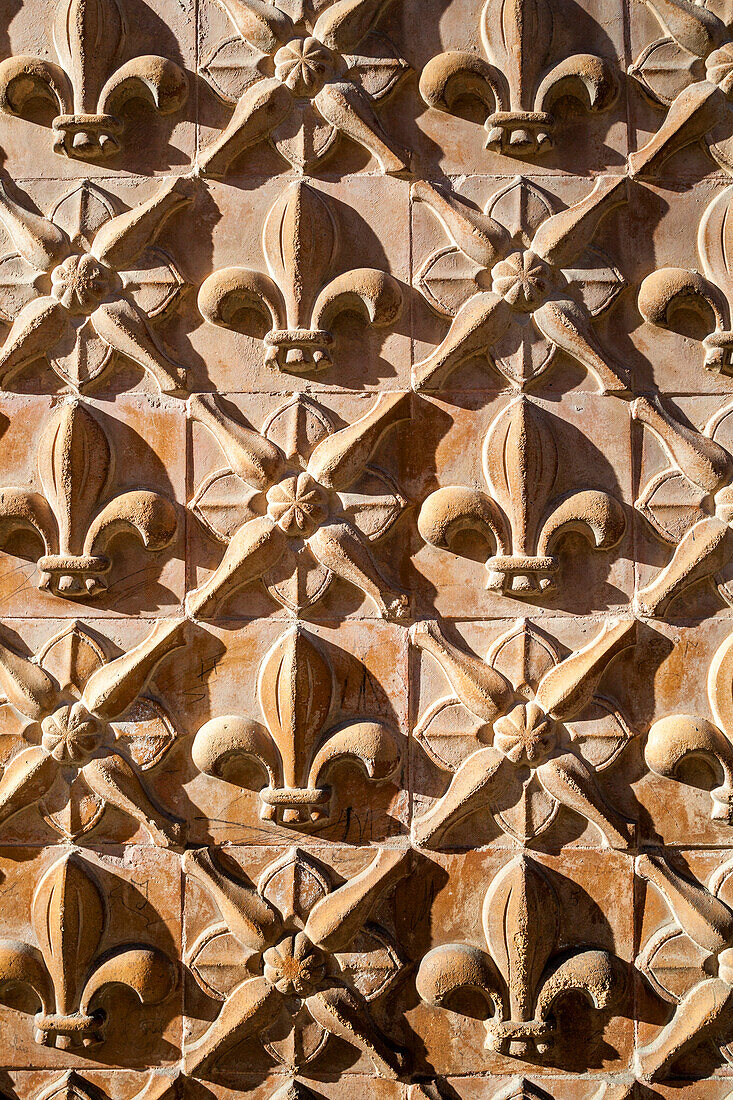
(366,549)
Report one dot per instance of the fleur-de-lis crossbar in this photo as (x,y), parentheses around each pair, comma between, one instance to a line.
(84,283)
(523,733)
(670,289)
(296,961)
(89,87)
(679,738)
(520,282)
(516,87)
(689,504)
(69,972)
(690,72)
(302,503)
(294,747)
(79,731)
(299,300)
(77,518)
(525,973)
(303,81)
(520,521)
(689,962)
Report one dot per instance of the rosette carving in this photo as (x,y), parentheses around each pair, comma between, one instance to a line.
(84,283)
(89,87)
(302,503)
(520,282)
(299,300)
(74,982)
(296,748)
(523,732)
(79,732)
(520,521)
(303,81)
(517,86)
(77,518)
(296,961)
(524,975)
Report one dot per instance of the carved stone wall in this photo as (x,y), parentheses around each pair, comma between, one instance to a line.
(366,549)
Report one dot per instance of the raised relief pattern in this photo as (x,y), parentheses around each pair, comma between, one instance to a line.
(300,298)
(517,86)
(74,981)
(89,87)
(296,747)
(77,518)
(84,283)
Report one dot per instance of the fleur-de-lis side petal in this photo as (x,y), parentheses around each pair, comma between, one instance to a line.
(69,973)
(304,515)
(88,88)
(526,757)
(524,975)
(294,748)
(87,732)
(516,86)
(519,519)
(301,956)
(301,83)
(677,738)
(522,283)
(299,300)
(76,518)
(106,281)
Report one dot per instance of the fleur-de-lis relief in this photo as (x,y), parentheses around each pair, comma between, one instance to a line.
(678,738)
(520,282)
(518,518)
(690,72)
(298,503)
(523,733)
(294,748)
(76,518)
(300,82)
(84,283)
(295,961)
(75,982)
(89,87)
(298,300)
(516,86)
(689,961)
(524,974)
(710,295)
(689,504)
(79,732)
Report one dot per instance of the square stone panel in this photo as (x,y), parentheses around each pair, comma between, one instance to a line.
(67,802)
(454,145)
(519,809)
(597,888)
(336,237)
(128,898)
(374,503)
(152,144)
(145,437)
(369,957)
(351,698)
(591,438)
